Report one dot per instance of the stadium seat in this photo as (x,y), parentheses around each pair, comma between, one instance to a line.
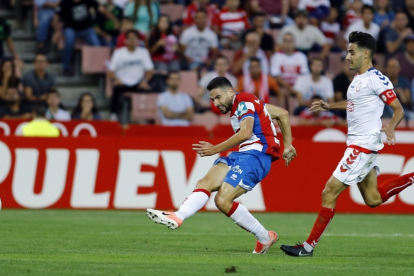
(209,120)
(189,83)
(144,106)
(175,11)
(94,59)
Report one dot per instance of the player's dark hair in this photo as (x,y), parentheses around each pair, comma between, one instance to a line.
(363,40)
(219,82)
(255,59)
(40,108)
(367,7)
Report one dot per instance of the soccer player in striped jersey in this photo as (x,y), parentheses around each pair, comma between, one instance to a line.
(238,173)
(366,96)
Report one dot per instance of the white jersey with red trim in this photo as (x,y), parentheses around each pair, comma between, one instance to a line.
(264,132)
(366,97)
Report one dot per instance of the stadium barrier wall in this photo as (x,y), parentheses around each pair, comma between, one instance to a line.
(114,172)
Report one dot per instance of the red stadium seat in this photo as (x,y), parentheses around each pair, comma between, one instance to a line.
(189,83)
(209,120)
(144,106)
(94,58)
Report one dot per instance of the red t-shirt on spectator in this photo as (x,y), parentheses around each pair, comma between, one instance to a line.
(190,11)
(231,23)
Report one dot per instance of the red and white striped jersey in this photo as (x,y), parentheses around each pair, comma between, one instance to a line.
(311,5)
(190,11)
(289,67)
(330,30)
(264,132)
(231,23)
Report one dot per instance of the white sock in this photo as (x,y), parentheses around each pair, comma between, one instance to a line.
(193,203)
(307,247)
(247,221)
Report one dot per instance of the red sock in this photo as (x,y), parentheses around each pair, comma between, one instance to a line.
(395,186)
(322,221)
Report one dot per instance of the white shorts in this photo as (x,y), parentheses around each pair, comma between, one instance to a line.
(355,166)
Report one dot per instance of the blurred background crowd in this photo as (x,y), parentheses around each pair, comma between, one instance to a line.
(149,61)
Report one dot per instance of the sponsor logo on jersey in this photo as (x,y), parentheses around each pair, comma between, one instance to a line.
(237,169)
(241,109)
(233,176)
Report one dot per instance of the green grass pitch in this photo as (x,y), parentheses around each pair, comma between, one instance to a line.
(57,242)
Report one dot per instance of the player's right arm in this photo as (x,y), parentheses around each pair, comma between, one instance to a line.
(324,106)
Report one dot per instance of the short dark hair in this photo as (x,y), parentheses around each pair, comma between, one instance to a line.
(201,11)
(316,97)
(133,32)
(316,59)
(222,57)
(367,7)
(259,14)
(53,90)
(40,53)
(40,108)
(255,59)
(219,82)
(172,72)
(363,40)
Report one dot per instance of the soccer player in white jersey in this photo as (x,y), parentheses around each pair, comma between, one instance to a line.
(238,173)
(366,96)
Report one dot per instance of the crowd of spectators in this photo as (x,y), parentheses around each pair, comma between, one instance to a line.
(278,49)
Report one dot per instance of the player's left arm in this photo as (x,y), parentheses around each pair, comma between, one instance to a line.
(244,134)
(397,116)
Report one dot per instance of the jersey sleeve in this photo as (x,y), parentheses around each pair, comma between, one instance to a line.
(244,110)
(383,87)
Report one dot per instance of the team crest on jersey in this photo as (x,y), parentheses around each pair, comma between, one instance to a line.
(241,109)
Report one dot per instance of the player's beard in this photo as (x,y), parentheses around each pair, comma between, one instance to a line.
(224,108)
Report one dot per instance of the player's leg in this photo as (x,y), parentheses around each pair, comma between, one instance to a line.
(242,217)
(394,186)
(194,202)
(369,190)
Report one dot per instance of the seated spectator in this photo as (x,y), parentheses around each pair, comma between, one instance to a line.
(8,76)
(315,83)
(37,82)
(395,36)
(199,43)
(107,29)
(257,83)
(307,37)
(384,15)
(130,70)
(221,69)
(13,108)
(241,62)
(196,5)
(144,14)
(266,40)
(5,36)
(86,108)
(353,14)
(46,10)
(319,118)
(54,112)
(126,25)
(40,126)
(287,64)
(175,108)
(230,23)
(365,25)
(406,59)
(77,19)
(318,10)
(330,27)
(163,44)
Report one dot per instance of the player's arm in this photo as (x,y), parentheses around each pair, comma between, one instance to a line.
(324,106)
(395,121)
(282,117)
(244,134)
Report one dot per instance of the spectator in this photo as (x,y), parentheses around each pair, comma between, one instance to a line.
(107,29)
(251,49)
(46,10)
(191,10)
(365,25)
(277,11)
(54,112)
(8,76)
(221,69)
(315,83)
(40,126)
(130,70)
(306,36)
(162,45)
(257,83)
(86,108)
(175,108)
(199,43)
(126,25)
(13,108)
(409,11)
(353,14)
(330,27)
(144,14)
(77,19)
(287,64)
(406,59)
(318,118)
(384,15)
(396,35)
(342,81)
(266,40)
(38,82)
(230,23)
(5,35)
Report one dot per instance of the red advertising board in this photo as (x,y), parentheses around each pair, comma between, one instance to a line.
(141,172)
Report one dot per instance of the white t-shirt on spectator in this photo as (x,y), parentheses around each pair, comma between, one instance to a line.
(198,43)
(308,88)
(203,82)
(330,30)
(130,67)
(176,103)
(304,39)
(374,29)
(60,115)
(288,67)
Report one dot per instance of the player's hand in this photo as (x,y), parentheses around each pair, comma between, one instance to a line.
(320,106)
(204,149)
(389,131)
(288,154)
